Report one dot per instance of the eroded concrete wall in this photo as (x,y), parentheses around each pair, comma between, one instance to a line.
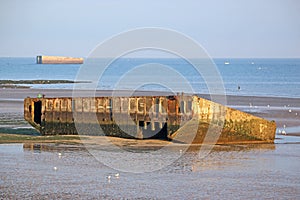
(147,117)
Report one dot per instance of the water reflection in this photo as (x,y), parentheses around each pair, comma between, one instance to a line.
(220,155)
(69,171)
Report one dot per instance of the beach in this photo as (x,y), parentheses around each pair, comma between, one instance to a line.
(62,167)
(141,86)
(228,172)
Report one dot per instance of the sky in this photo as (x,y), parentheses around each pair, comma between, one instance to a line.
(225,28)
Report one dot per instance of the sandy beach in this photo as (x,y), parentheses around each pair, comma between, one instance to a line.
(61,167)
(65,171)
(98,167)
(144,137)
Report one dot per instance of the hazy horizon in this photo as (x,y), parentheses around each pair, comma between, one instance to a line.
(34,56)
(225,29)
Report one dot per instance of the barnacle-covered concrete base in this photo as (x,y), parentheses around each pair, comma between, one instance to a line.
(187,119)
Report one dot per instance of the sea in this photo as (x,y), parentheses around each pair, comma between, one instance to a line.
(69,171)
(246,77)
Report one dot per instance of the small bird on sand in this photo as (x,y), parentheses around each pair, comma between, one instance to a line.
(108,178)
(117,175)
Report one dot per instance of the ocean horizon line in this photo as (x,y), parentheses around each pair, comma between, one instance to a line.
(158,57)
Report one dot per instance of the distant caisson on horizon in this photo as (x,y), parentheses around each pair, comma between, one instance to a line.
(58,60)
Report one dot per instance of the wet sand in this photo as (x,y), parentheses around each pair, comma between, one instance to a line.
(70,172)
(36,168)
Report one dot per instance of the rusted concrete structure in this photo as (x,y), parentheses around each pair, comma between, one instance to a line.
(58,60)
(162,117)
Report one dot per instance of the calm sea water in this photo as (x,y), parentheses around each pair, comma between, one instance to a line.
(259,77)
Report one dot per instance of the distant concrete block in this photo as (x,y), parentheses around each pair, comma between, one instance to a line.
(58,60)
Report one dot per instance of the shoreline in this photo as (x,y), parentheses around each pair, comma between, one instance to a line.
(26,84)
(21,93)
(106,141)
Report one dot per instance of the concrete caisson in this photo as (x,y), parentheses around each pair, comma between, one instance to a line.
(147,117)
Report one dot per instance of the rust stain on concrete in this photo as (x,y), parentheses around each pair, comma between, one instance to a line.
(187,119)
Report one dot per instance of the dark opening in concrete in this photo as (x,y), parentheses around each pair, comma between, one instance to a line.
(37,112)
(157,133)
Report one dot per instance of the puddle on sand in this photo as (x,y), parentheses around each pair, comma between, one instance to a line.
(229,171)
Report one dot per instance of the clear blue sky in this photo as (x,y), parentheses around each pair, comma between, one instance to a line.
(225,28)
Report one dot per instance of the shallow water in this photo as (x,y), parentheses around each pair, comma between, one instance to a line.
(16,124)
(239,171)
(12,120)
